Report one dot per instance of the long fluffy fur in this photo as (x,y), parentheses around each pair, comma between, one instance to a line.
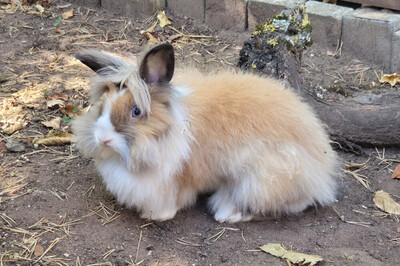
(258,146)
(246,138)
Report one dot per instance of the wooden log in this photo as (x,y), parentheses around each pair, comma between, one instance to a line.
(363,119)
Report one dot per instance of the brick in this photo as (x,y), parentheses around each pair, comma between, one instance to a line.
(395,54)
(88,3)
(368,34)
(192,8)
(133,8)
(392,4)
(259,11)
(226,14)
(326,20)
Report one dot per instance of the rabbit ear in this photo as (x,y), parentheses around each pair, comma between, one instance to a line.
(158,64)
(97,60)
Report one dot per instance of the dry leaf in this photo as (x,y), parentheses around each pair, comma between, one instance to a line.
(68,14)
(39,8)
(65,44)
(150,38)
(330,53)
(383,201)
(392,79)
(28,141)
(59,30)
(3,148)
(70,111)
(59,96)
(151,29)
(174,37)
(396,172)
(294,257)
(55,104)
(13,128)
(6,7)
(39,250)
(163,19)
(56,139)
(55,123)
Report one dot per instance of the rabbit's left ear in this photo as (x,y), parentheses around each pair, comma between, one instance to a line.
(157,66)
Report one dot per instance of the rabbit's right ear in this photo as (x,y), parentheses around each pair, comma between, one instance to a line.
(157,66)
(97,60)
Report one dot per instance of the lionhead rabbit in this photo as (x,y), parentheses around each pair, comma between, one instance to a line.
(158,143)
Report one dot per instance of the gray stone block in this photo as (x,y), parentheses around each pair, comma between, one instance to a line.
(395,55)
(369,35)
(133,8)
(87,3)
(326,20)
(226,14)
(259,11)
(192,8)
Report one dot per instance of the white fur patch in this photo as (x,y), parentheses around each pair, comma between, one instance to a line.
(153,191)
(104,131)
(154,198)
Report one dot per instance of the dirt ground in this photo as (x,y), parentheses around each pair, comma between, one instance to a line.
(54,209)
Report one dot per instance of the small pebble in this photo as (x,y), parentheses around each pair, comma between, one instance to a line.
(15,146)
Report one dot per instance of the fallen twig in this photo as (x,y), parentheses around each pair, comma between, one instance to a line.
(341,217)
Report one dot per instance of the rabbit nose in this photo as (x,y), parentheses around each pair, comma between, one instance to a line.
(105,142)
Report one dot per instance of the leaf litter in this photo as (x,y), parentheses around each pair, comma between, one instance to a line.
(278,250)
(68,14)
(11,188)
(55,139)
(30,248)
(221,233)
(13,128)
(383,201)
(396,172)
(163,19)
(356,173)
(54,123)
(105,212)
(341,217)
(392,79)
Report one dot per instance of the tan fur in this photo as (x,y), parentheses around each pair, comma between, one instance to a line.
(231,110)
(248,139)
(158,122)
(154,125)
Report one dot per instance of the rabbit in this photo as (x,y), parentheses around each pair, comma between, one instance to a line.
(159,140)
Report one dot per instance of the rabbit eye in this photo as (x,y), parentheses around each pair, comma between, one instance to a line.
(136,111)
(118,85)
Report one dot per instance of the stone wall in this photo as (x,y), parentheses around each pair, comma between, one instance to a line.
(370,34)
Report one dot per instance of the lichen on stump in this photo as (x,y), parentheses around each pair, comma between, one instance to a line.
(288,33)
